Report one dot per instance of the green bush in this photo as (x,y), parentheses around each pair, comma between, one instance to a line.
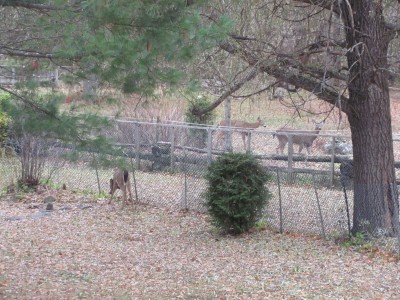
(236,193)
(4,119)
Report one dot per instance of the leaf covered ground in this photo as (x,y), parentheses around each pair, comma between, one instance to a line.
(88,249)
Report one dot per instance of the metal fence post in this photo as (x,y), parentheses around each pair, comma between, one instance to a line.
(185,178)
(290,158)
(172,150)
(331,175)
(134,178)
(137,145)
(97,172)
(209,145)
(321,219)
(395,196)
(280,202)
(248,141)
(158,129)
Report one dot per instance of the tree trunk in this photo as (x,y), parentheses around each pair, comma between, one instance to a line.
(375,191)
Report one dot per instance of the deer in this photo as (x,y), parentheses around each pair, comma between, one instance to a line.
(121,180)
(301,138)
(237,124)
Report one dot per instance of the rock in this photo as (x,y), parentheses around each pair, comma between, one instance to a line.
(33,206)
(68,207)
(49,206)
(16,218)
(84,206)
(346,174)
(339,147)
(49,199)
(38,215)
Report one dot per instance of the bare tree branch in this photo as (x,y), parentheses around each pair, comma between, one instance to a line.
(24,53)
(29,5)
(287,70)
(29,102)
(229,92)
(327,4)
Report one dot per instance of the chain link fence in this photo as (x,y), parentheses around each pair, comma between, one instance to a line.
(170,160)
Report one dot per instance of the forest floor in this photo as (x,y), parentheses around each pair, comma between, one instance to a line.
(86,248)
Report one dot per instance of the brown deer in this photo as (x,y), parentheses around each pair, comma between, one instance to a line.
(302,138)
(236,124)
(121,181)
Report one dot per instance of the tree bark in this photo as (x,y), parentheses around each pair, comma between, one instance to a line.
(375,191)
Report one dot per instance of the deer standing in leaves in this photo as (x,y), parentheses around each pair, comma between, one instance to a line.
(302,138)
(241,125)
(121,180)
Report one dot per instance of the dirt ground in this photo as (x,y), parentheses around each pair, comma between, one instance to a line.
(88,249)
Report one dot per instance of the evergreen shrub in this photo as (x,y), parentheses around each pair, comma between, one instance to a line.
(236,194)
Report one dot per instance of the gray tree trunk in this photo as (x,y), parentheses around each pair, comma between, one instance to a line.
(375,204)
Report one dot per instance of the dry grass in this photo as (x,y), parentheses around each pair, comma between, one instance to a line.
(86,249)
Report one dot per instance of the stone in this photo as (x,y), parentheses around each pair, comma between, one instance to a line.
(49,199)
(49,206)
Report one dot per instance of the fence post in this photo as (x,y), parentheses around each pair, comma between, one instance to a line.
(97,172)
(280,202)
(321,219)
(209,144)
(332,161)
(290,158)
(172,150)
(158,130)
(395,196)
(185,178)
(137,145)
(248,141)
(134,179)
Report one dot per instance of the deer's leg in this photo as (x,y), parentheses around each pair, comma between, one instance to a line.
(220,137)
(301,148)
(128,185)
(125,201)
(281,147)
(112,190)
(308,150)
(244,139)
